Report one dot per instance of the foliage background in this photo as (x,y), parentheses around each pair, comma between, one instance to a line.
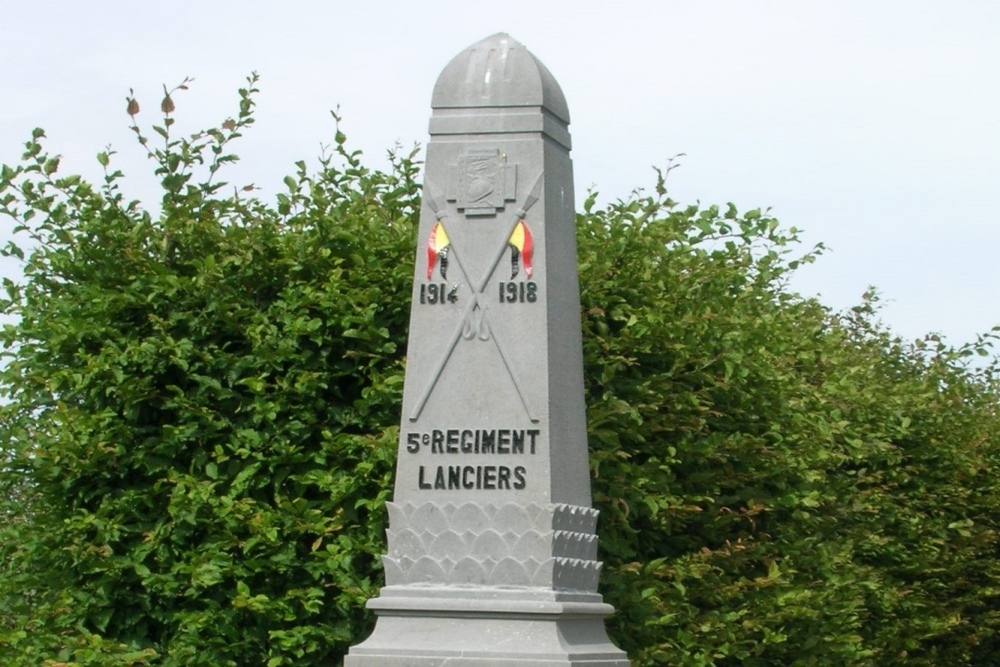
(199,427)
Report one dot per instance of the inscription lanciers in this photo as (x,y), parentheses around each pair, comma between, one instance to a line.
(489,442)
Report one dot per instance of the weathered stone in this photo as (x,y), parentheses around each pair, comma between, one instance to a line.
(492,552)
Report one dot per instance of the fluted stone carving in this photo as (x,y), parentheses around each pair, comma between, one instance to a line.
(504,544)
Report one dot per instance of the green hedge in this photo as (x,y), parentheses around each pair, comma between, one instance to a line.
(201,410)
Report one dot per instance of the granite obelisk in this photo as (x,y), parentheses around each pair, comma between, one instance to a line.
(492,554)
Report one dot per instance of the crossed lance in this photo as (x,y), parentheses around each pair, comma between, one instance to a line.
(473,324)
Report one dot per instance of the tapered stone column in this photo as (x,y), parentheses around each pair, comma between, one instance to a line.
(492,551)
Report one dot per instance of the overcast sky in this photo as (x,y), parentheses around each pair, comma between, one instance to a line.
(874,125)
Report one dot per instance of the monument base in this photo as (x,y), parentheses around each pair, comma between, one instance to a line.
(495,628)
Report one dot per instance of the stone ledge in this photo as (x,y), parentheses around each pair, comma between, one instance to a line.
(411,635)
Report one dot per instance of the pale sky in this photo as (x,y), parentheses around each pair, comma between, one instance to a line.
(874,125)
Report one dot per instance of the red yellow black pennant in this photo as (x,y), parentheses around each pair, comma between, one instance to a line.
(437,247)
(521,248)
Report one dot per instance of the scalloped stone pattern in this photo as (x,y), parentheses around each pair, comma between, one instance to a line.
(507,544)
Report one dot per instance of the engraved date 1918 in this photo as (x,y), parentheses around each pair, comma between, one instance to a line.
(518,291)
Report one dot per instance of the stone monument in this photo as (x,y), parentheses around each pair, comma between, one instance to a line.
(492,554)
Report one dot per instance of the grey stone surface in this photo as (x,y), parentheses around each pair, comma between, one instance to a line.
(492,549)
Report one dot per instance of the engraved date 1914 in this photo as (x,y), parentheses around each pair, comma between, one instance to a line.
(438,293)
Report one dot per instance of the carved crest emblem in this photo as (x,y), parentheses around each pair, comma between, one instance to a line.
(482,182)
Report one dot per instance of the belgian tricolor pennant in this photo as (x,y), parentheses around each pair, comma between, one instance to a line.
(521,249)
(438,246)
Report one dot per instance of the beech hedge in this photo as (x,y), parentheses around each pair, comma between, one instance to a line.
(201,406)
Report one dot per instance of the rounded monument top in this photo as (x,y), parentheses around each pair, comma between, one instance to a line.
(498,72)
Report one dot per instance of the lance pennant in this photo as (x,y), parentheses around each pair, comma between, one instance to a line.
(521,246)
(437,248)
